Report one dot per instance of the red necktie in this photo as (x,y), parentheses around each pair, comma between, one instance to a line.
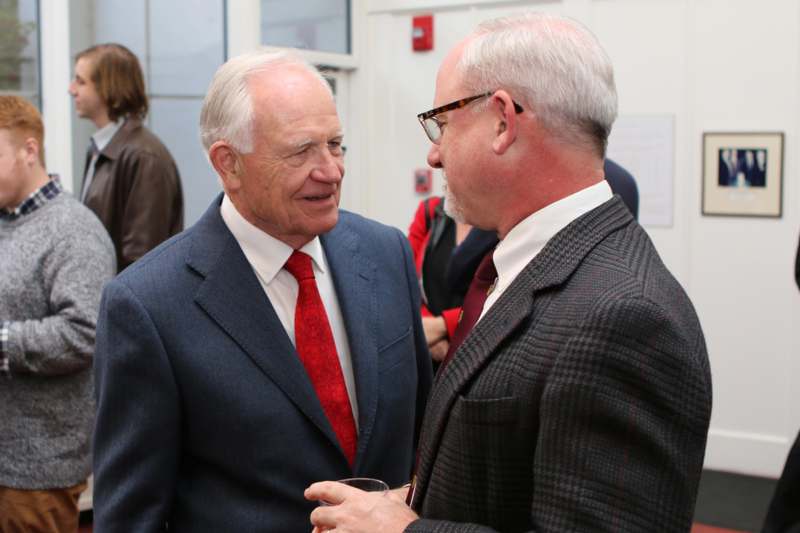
(479,288)
(317,350)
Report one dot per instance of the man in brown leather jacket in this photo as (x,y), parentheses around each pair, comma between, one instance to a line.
(130,180)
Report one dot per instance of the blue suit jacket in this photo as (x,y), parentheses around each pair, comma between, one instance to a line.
(206,419)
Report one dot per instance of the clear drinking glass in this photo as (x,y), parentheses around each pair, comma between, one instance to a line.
(367,484)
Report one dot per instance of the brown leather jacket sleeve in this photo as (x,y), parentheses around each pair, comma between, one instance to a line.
(149,213)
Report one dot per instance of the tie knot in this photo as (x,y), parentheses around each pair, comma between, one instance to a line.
(93,147)
(486,271)
(299,266)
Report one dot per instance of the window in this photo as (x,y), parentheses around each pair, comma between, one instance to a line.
(320,25)
(180,44)
(19,48)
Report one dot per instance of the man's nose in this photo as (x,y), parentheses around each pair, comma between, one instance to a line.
(434,159)
(328,167)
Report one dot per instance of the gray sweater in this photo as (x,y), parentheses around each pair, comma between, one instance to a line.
(54,262)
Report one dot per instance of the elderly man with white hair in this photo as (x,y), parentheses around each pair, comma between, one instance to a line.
(275,342)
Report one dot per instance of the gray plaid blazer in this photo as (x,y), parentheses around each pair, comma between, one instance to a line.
(580,402)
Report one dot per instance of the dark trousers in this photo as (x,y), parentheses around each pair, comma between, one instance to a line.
(783,515)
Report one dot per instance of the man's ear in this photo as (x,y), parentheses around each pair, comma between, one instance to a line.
(31,148)
(225,160)
(506,123)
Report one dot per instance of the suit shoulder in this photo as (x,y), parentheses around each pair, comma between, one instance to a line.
(626,265)
(385,245)
(368,228)
(160,262)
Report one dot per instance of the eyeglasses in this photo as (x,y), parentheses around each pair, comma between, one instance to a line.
(433,126)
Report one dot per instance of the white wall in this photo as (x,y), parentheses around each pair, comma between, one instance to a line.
(716,65)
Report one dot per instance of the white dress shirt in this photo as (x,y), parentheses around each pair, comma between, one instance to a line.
(101,138)
(267,255)
(529,237)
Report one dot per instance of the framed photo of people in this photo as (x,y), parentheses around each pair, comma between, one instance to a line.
(743,174)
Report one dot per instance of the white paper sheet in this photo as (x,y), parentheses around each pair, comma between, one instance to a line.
(645,146)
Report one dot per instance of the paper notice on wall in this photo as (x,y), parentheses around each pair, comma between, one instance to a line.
(645,146)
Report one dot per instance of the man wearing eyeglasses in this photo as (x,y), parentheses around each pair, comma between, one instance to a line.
(577,396)
(276,341)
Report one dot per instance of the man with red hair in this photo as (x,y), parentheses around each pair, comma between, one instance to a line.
(55,258)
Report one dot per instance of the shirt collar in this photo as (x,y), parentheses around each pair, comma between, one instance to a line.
(104,135)
(35,200)
(266,254)
(529,237)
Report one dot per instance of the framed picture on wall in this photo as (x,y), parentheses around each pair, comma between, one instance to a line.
(743,174)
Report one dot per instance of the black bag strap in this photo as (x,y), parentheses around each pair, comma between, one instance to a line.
(429,207)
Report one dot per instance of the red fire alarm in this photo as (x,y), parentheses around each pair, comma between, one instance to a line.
(422,33)
(422,181)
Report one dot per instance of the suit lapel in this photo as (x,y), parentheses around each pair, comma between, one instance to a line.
(354,279)
(232,297)
(554,264)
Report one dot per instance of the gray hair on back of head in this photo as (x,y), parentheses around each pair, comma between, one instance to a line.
(227,112)
(551,65)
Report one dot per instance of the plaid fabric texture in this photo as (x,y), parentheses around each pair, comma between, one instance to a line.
(48,191)
(579,402)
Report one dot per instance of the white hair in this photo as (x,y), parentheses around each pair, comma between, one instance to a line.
(551,65)
(227,112)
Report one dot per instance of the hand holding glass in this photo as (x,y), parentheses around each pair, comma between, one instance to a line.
(366,484)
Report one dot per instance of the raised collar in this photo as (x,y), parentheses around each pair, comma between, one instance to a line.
(35,200)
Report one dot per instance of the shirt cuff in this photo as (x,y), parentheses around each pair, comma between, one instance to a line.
(4,348)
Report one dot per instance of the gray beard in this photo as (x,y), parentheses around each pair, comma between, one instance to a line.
(451,205)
